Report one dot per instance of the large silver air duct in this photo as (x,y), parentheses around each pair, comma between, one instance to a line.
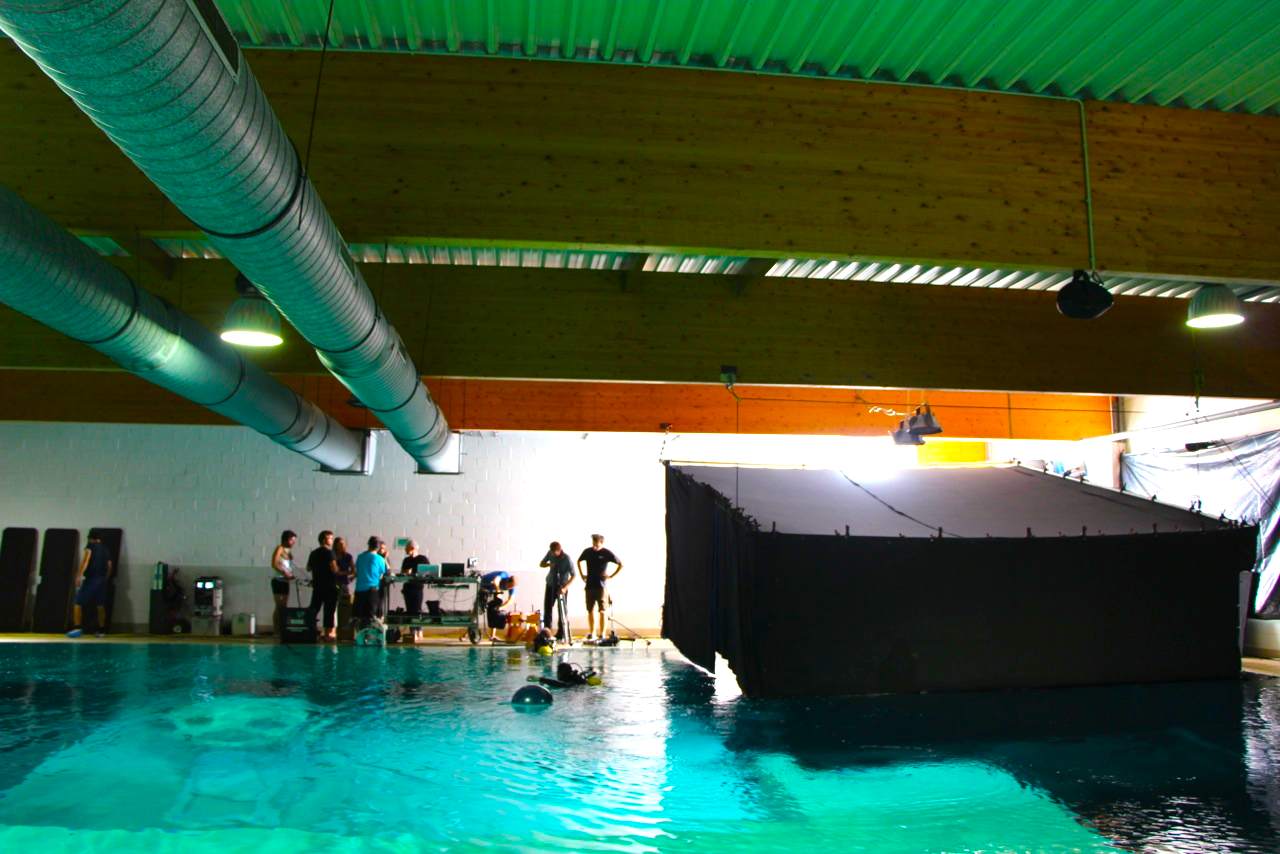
(48,275)
(167,82)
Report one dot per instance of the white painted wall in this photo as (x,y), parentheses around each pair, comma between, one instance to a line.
(213,500)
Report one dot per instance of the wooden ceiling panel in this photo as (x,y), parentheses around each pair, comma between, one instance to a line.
(596,407)
(506,323)
(1186,192)
(512,152)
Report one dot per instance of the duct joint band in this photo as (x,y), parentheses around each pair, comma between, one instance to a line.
(299,182)
(328,425)
(430,430)
(377,318)
(297,414)
(235,388)
(405,403)
(133,313)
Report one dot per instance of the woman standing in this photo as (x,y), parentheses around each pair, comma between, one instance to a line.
(346,567)
(413,589)
(345,575)
(282,566)
(384,589)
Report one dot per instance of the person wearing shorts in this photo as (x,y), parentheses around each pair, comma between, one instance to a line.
(597,559)
(282,580)
(92,578)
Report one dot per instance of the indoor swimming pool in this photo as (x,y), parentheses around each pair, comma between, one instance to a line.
(191,747)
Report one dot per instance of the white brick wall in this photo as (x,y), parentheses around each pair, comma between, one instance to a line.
(213,500)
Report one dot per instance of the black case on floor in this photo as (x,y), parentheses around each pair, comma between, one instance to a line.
(298,626)
(59,560)
(17,564)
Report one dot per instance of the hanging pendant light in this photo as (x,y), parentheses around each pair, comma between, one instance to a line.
(923,423)
(1084,297)
(904,436)
(1213,307)
(251,321)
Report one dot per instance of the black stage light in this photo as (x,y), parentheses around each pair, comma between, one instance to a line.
(1084,297)
(923,423)
(904,436)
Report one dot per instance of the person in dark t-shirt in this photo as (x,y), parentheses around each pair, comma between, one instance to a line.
(413,590)
(322,563)
(559,577)
(95,573)
(597,558)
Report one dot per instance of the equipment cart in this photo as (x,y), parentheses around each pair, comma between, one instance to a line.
(459,604)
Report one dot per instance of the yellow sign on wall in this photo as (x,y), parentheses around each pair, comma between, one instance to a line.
(941,453)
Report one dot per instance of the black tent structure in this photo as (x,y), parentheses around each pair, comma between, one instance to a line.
(811,583)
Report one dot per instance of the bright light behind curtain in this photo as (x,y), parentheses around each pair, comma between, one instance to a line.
(1238,477)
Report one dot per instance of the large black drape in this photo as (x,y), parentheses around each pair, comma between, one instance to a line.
(709,566)
(805,614)
(891,615)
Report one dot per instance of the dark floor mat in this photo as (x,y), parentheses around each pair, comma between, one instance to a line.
(17,564)
(59,560)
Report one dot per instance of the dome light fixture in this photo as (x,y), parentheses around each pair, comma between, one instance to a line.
(1084,297)
(251,321)
(1214,307)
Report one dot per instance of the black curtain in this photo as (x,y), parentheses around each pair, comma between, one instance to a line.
(866,615)
(710,560)
(808,614)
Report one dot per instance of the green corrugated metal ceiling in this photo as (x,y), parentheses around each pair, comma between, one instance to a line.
(1213,54)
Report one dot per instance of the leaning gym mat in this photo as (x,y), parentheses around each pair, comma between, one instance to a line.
(59,559)
(17,563)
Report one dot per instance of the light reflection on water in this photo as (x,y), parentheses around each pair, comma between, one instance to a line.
(191,747)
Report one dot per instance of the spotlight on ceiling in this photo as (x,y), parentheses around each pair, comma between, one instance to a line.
(1084,297)
(251,321)
(1213,307)
(923,423)
(904,436)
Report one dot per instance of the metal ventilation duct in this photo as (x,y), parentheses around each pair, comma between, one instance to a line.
(166,81)
(49,275)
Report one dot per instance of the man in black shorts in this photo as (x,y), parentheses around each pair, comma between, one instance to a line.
(92,578)
(597,558)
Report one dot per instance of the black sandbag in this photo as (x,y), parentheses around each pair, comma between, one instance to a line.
(113,539)
(59,560)
(17,563)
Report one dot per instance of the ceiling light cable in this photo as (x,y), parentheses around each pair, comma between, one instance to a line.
(1088,188)
(315,102)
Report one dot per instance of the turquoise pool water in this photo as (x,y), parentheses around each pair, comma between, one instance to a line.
(116,747)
